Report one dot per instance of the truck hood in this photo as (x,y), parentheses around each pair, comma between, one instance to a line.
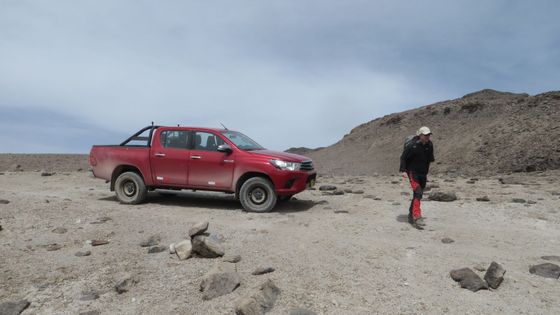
(288,157)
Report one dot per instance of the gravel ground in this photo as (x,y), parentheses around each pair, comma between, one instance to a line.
(347,254)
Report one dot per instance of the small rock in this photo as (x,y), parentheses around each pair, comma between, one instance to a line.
(207,246)
(447,240)
(394,182)
(357,192)
(546,270)
(347,190)
(4,202)
(222,279)
(405,193)
(495,275)
(151,241)
(82,254)
(14,308)
(531,202)
(483,199)
(301,311)
(101,220)
(518,200)
(262,271)
(183,249)
(89,296)
(157,249)
(45,173)
(259,301)
(60,230)
(172,248)
(340,211)
(53,247)
(198,228)
(327,187)
(99,242)
(377,198)
(552,258)
(125,284)
(338,192)
(232,258)
(396,203)
(471,182)
(468,279)
(442,196)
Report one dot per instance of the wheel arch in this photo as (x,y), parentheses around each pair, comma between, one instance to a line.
(122,169)
(243,178)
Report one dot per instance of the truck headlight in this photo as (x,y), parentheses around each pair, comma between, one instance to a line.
(283,165)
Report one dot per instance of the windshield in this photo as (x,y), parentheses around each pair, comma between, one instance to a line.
(242,141)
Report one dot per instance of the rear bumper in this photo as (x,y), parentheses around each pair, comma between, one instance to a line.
(291,183)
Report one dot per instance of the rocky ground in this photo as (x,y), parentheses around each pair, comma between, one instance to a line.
(348,251)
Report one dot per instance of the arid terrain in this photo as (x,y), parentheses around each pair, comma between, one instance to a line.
(332,254)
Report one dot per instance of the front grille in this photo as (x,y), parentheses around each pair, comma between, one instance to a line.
(306,166)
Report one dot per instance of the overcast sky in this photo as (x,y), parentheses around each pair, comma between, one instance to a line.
(286,73)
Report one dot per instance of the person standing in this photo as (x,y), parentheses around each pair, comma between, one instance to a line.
(417,155)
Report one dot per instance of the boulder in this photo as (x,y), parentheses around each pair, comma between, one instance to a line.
(198,228)
(207,246)
(468,279)
(442,196)
(494,275)
(546,270)
(222,279)
(183,249)
(259,301)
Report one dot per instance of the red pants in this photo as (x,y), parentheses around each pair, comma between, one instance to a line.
(418,183)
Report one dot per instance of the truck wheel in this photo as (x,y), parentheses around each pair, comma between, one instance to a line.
(257,195)
(130,188)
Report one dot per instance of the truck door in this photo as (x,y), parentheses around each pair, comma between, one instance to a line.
(170,157)
(209,168)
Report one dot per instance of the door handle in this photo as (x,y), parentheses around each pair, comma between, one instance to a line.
(159,154)
(196,157)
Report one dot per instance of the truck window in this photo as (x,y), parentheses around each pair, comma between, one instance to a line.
(205,141)
(178,139)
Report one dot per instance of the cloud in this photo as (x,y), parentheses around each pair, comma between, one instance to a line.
(285,73)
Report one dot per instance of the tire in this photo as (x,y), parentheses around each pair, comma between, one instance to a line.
(257,195)
(130,188)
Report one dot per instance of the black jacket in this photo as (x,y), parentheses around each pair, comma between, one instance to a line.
(416,157)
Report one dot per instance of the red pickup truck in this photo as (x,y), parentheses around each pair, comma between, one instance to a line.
(176,158)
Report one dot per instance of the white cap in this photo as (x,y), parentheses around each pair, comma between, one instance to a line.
(423,131)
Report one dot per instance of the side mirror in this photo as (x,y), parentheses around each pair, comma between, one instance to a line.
(225,148)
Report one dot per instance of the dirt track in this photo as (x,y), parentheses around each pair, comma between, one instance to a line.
(331,262)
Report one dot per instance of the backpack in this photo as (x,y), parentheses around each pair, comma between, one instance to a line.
(409,140)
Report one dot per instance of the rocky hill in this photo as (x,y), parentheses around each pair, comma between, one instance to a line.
(486,132)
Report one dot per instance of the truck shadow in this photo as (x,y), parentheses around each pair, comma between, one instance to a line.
(216,201)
